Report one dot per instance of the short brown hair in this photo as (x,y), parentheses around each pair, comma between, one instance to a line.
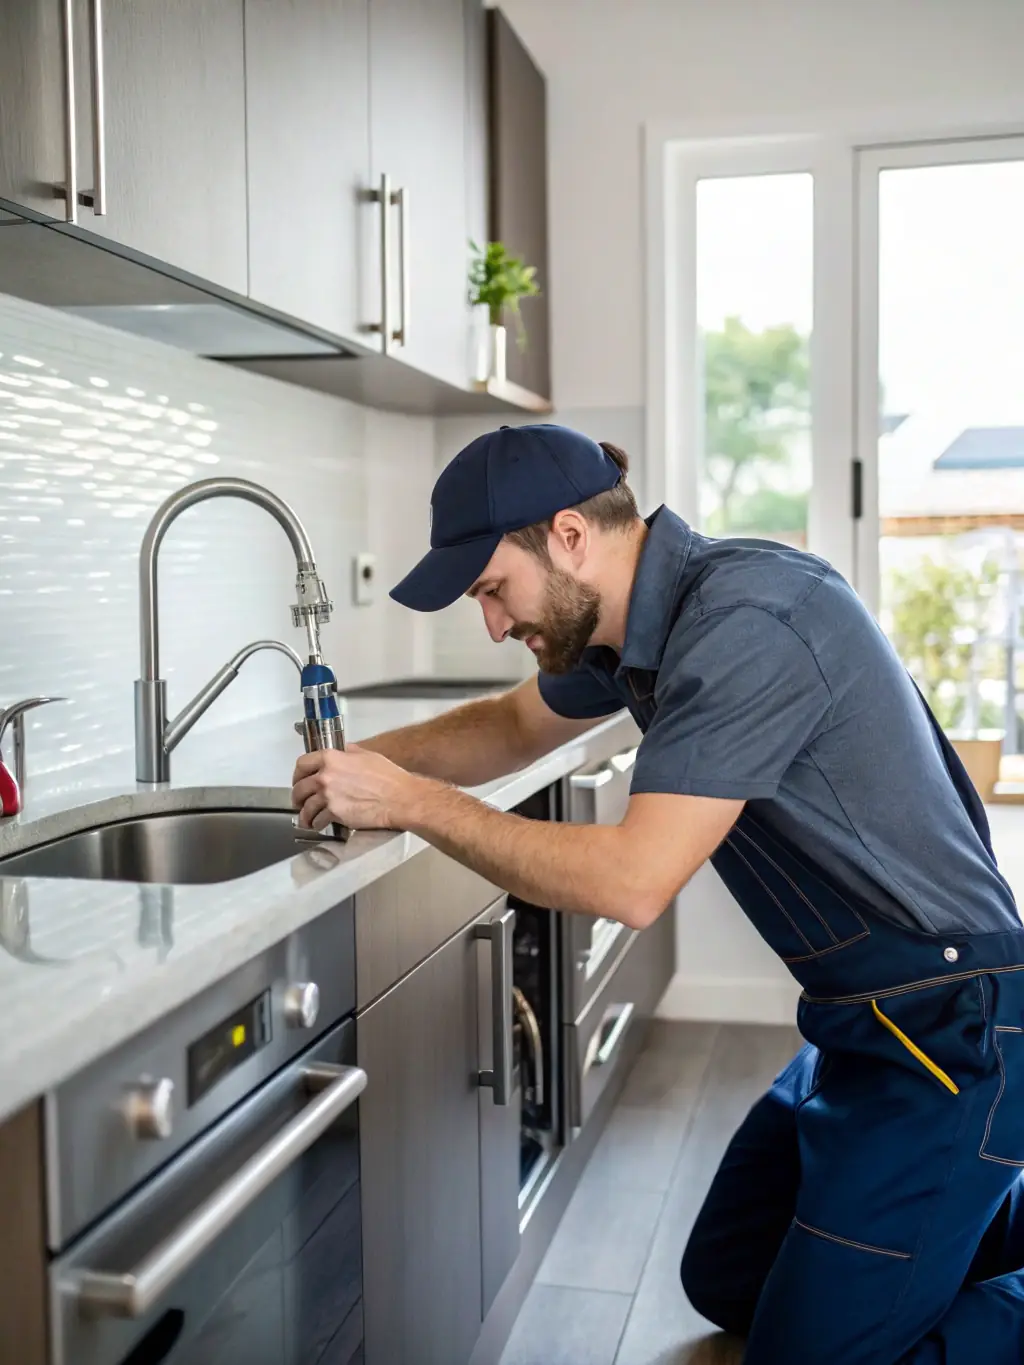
(613,510)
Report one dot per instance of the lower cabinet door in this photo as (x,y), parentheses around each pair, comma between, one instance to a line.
(436,1154)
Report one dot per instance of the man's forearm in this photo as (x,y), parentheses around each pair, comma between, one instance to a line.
(582,868)
(469,745)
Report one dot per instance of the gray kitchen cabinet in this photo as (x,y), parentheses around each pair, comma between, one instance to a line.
(421,1159)
(313,250)
(23,1304)
(419,104)
(172,127)
(33,73)
(519,188)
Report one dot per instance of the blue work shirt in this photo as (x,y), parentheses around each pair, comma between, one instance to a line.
(756,673)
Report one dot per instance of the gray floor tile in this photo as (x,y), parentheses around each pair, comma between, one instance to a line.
(638,1149)
(603,1240)
(567,1327)
(663,1329)
(670,1072)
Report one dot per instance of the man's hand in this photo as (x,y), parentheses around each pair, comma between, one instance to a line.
(360,789)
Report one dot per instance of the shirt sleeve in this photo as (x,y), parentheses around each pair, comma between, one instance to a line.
(737,701)
(584,694)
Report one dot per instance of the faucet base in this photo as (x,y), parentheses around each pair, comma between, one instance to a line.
(152,761)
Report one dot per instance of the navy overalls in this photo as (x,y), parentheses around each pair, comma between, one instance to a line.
(869,1209)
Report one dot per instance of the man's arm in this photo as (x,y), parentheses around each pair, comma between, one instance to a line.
(628,872)
(481,740)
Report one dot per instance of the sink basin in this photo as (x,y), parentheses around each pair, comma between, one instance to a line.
(183,848)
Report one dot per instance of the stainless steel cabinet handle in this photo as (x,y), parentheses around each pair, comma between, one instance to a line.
(588,782)
(69,190)
(617,766)
(133,1294)
(499,931)
(621,1015)
(96,198)
(383,197)
(401,199)
(624,762)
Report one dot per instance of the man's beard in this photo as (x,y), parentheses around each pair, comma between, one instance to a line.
(570,616)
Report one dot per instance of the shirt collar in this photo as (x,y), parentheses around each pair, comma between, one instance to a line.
(657,590)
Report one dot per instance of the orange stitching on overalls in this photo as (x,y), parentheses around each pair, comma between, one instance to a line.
(859,1246)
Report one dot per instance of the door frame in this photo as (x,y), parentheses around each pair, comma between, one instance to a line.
(869,163)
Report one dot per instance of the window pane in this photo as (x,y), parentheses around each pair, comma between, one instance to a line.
(755,301)
(951,439)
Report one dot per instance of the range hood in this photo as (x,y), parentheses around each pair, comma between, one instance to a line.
(65,268)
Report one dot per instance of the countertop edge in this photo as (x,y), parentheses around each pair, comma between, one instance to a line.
(121,1009)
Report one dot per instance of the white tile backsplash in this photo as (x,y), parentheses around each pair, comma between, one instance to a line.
(96,429)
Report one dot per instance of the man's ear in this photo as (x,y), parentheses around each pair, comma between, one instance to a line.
(570,532)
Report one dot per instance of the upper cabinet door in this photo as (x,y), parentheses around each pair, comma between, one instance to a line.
(167,118)
(418,120)
(34,83)
(519,188)
(313,244)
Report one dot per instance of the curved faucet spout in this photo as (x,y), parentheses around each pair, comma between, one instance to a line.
(167,513)
(182,723)
(154,737)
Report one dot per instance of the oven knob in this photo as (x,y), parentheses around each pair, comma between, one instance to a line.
(301,1004)
(149,1108)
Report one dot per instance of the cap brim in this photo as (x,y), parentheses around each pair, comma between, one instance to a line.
(444,574)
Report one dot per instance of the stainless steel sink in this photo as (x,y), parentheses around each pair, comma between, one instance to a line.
(183,848)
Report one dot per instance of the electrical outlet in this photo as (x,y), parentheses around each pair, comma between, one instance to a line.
(364,579)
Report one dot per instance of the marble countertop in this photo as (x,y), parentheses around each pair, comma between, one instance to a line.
(98,961)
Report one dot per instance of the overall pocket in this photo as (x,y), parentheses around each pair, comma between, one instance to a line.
(1003,1140)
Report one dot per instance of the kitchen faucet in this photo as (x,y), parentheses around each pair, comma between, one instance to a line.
(155,736)
(12,785)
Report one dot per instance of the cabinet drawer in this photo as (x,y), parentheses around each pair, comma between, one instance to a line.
(604,1040)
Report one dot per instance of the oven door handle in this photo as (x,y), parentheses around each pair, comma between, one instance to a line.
(132,1294)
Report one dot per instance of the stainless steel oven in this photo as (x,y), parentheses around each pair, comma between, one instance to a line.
(203,1194)
(596,795)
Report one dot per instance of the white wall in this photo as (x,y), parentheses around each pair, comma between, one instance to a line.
(96,429)
(728,68)
(730,65)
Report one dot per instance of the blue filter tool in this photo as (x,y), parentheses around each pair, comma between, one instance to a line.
(322,725)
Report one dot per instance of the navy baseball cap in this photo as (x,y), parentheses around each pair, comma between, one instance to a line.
(501,482)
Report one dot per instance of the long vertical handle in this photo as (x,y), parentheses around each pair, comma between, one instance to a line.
(382,196)
(499,1080)
(401,199)
(69,190)
(96,198)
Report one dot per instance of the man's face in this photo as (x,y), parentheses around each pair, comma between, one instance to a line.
(546,606)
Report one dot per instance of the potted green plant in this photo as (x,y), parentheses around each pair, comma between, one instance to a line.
(498,281)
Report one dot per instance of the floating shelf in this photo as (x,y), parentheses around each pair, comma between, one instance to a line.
(504,391)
